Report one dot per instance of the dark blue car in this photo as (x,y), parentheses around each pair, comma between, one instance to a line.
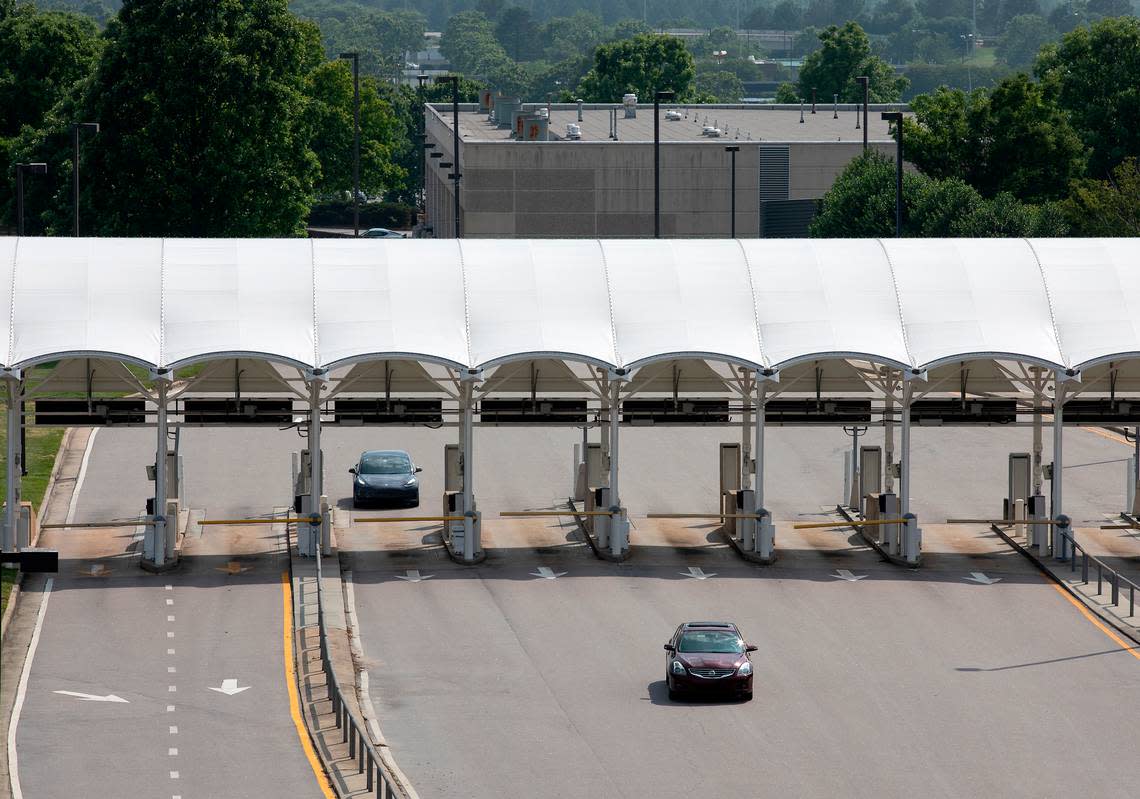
(385,477)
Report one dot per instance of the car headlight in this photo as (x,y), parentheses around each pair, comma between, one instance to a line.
(745,669)
(410,482)
(678,667)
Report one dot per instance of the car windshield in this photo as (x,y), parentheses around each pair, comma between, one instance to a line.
(710,641)
(385,463)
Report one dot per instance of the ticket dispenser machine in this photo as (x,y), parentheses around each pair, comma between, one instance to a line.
(729,485)
(1020,477)
(596,476)
(453,495)
(870,475)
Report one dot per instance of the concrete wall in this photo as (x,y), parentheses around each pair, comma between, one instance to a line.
(605,189)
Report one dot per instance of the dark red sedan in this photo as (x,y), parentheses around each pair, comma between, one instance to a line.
(708,657)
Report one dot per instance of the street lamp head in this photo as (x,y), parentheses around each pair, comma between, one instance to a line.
(666,94)
(33,169)
(91,126)
(732,148)
(349,56)
(446,79)
(893,116)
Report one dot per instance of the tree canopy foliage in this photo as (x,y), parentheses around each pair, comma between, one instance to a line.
(861,204)
(845,54)
(642,65)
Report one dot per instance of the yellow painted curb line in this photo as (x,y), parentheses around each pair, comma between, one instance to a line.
(1129,648)
(291,688)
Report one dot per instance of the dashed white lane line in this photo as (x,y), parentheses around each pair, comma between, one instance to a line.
(173,729)
(170,588)
(171,670)
(170,618)
(172,689)
(170,601)
(172,752)
(170,651)
(169,633)
(174,775)
(170,708)
(21,691)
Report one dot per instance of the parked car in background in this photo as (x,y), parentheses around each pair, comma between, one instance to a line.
(381,233)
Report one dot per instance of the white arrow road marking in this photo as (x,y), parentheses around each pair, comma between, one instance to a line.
(93,697)
(229,688)
(698,573)
(547,573)
(845,574)
(979,577)
(414,576)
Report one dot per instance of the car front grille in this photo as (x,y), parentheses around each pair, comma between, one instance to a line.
(711,674)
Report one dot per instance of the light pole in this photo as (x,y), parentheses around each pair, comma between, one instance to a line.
(865,82)
(94,128)
(355,59)
(455,175)
(422,138)
(658,96)
(31,169)
(897,117)
(732,150)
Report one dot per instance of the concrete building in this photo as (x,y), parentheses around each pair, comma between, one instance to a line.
(601,184)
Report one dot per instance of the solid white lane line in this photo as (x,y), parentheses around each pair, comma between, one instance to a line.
(80,477)
(21,691)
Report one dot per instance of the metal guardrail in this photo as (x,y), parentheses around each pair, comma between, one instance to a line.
(360,748)
(1069,549)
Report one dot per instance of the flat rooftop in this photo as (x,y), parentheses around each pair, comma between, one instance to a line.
(767,123)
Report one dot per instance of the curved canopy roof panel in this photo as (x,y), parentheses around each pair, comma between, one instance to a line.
(622,303)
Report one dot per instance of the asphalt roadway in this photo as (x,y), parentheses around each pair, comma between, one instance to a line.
(492,682)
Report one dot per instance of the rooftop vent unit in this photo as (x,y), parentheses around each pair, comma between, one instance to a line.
(673,115)
(712,132)
(573,131)
(629,102)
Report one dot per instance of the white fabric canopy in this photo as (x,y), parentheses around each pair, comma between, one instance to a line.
(319,303)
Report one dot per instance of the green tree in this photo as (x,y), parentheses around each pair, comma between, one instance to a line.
(861,203)
(846,53)
(205,130)
(330,111)
(42,55)
(786,93)
(1023,38)
(381,38)
(722,86)
(1100,9)
(627,29)
(1093,74)
(1008,139)
(1107,207)
(470,46)
(640,65)
(564,38)
(517,32)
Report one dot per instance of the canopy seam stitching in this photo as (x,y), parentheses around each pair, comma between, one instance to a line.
(316,328)
(1048,300)
(898,302)
(162,304)
(466,300)
(610,303)
(12,306)
(755,313)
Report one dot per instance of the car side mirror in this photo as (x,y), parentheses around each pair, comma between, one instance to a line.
(750,648)
(419,469)
(670,648)
(352,471)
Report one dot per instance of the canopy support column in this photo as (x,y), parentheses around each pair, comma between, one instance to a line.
(764,536)
(619,524)
(159,547)
(472,521)
(15,467)
(889,443)
(746,437)
(904,460)
(1060,378)
(307,544)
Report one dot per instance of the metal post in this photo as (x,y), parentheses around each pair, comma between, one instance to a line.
(455,148)
(733,150)
(468,392)
(315,466)
(355,59)
(617,542)
(94,128)
(761,399)
(865,82)
(855,500)
(1037,448)
(12,493)
(889,442)
(1058,442)
(161,550)
(904,462)
(658,96)
(745,442)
